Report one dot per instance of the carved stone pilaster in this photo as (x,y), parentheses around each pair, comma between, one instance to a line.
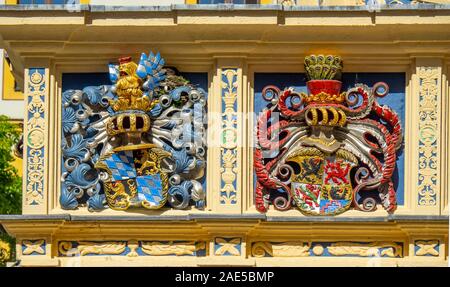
(35,140)
(427,93)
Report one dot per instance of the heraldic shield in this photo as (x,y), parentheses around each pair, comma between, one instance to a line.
(135,177)
(321,184)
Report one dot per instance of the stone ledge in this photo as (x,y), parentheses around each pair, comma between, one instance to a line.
(25,217)
(192,217)
(218,7)
(45,7)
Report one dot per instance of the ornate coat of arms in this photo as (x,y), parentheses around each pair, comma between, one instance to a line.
(137,143)
(321,151)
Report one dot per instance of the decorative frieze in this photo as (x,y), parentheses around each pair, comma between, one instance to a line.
(426,247)
(174,248)
(227,246)
(428,78)
(229,137)
(283,249)
(36,90)
(342,248)
(132,248)
(33,247)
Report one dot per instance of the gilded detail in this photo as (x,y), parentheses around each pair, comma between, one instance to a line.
(428,130)
(35,138)
(229,137)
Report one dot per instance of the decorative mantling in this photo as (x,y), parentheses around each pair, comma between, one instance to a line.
(428,131)
(316,151)
(139,143)
(132,248)
(426,247)
(36,90)
(33,247)
(306,249)
(227,246)
(229,137)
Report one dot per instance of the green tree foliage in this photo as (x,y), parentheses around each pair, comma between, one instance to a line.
(7,245)
(10,182)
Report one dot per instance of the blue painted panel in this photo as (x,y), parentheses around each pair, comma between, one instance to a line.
(77,81)
(281,80)
(395,99)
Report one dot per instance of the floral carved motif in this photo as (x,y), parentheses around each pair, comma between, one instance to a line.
(428,131)
(35,150)
(229,137)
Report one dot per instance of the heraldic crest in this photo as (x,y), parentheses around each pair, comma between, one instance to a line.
(137,143)
(323,150)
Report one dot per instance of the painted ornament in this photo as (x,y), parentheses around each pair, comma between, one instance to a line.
(138,143)
(323,150)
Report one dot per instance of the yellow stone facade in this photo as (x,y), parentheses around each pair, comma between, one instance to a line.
(233,44)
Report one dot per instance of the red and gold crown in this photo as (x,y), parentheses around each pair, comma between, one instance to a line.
(324,92)
(323,87)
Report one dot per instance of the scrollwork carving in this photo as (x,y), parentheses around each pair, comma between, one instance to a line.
(331,140)
(138,143)
(428,141)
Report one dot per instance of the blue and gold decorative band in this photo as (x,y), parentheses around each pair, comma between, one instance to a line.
(229,137)
(36,90)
